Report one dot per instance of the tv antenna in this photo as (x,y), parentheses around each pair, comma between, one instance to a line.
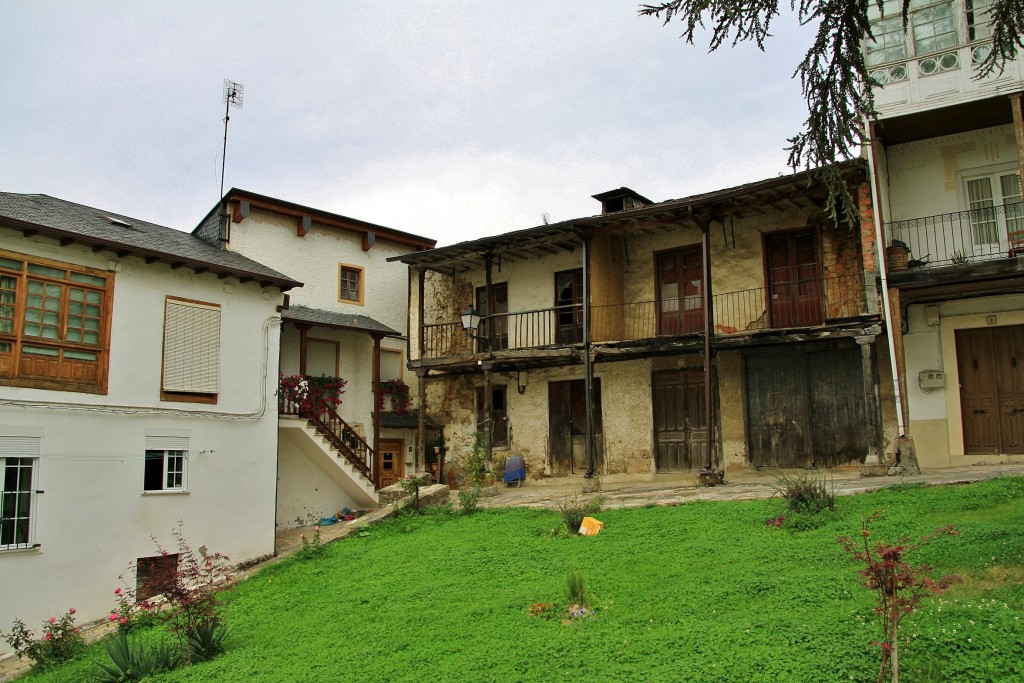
(233,95)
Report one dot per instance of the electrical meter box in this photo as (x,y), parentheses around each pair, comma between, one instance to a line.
(932,379)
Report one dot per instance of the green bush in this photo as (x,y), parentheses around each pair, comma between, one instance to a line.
(134,660)
(468,499)
(806,492)
(573,511)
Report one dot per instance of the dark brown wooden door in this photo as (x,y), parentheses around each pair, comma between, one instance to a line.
(680,304)
(494,330)
(389,462)
(680,420)
(569,300)
(991,377)
(805,408)
(794,279)
(567,425)
(499,415)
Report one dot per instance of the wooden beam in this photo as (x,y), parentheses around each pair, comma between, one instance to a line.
(151,259)
(201,269)
(375,383)
(223,276)
(303,224)
(124,253)
(176,265)
(241,211)
(65,241)
(1018,133)
(369,239)
(97,248)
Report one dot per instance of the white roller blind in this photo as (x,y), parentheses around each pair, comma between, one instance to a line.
(19,446)
(166,443)
(191,347)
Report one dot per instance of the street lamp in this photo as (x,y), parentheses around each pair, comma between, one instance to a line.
(470,322)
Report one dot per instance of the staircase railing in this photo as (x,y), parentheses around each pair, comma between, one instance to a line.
(332,427)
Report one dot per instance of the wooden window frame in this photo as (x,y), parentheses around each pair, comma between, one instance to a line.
(360,284)
(16,364)
(177,394)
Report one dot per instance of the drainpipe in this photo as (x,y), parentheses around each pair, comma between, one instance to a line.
(883,271)
(709,331)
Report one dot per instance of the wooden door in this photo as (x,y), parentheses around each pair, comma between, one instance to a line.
(567,425)
(680,420)
(495,329)
(805,408)
(569,303)
(991,377)
(499,414)
(795,296)
(680,303)
(390,465)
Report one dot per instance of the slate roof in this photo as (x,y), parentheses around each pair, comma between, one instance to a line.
(104,230)
(348,321)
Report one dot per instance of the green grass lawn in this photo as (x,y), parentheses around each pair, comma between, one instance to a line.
(701,592)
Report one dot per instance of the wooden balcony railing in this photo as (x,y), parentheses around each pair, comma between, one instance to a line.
(956,238)
(332,427)
(787,305)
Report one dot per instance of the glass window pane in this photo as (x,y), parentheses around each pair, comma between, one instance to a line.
(80,355)
(10,263)
(93,297)
(88,279)
(46,270)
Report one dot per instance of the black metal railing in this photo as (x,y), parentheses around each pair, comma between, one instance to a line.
(956,238)
(802,304)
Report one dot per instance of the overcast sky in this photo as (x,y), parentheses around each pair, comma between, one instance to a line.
(449,119)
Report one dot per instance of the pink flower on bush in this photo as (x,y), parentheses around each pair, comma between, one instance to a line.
(53,620)
(71,611)
(117,591)
(316,528)
(123,620)
(48,636)
(113,616)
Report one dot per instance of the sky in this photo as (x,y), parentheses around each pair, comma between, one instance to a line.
(450,119)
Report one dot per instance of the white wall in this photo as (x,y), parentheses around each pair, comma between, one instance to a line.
(93,518)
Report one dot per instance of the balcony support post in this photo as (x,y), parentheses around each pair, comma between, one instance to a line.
(876,449)
(1018,133)
(303,347)
(709,332)
(489,321)
(375,370)
(488,412)
(421,426)
(588,365)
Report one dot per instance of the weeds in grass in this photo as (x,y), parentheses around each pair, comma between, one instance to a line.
(411,487)
(576,588)
(468,499)
(806,493)
(898,586)
(311,549)
(573,511)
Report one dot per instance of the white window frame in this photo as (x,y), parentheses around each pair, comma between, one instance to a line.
(993,174)
(20,448)
(172,452)
(911,37)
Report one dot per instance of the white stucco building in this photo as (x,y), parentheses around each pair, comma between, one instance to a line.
(947,152)
(347,321)
(138,372)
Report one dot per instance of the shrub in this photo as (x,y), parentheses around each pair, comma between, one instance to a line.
(468,499)
(133,661)
(411,487)
(190,591)
(61,641)
(806,492)
(899,586)
(573,511)
(207,641)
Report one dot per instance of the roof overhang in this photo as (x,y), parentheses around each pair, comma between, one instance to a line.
(122,250)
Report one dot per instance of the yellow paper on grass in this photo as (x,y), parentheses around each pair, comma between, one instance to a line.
(590,526)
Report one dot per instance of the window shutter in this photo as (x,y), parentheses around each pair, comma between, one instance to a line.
(191,347)
(20,446)
(166,443)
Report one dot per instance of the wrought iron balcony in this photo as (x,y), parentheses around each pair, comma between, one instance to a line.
(956,238)
(789,305)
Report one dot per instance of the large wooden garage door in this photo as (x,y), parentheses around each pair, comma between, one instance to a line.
(991,369)
(805,408)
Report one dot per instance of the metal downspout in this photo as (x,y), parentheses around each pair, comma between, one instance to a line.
(883,271)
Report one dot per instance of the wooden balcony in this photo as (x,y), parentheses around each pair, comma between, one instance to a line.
(802,305)
(956,239)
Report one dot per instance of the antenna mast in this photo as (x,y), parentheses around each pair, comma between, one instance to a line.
(233,94)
